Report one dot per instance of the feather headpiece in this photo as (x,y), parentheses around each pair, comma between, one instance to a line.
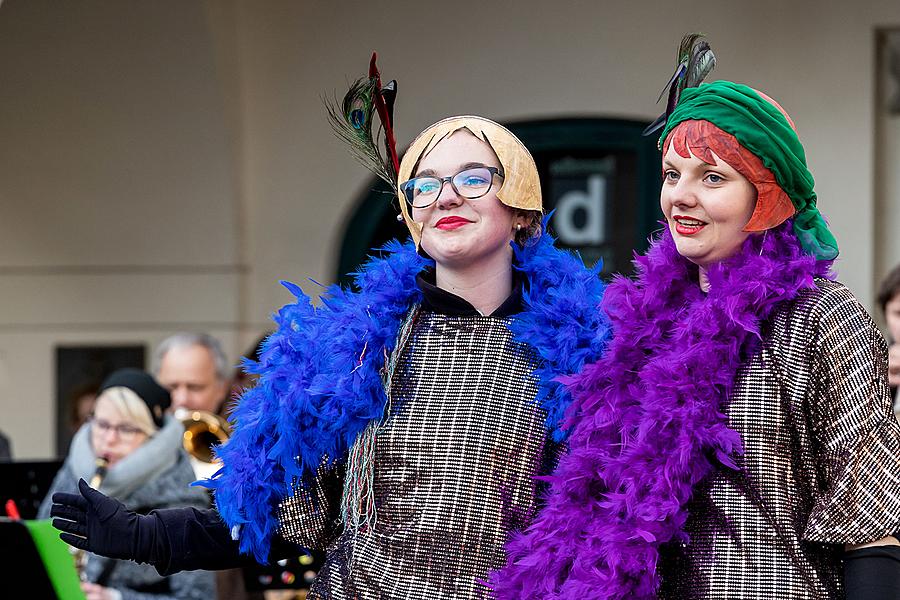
(695,61)
(353,120)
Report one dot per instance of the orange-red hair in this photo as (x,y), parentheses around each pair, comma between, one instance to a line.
(702,139)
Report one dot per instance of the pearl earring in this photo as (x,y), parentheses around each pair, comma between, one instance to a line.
(400,218)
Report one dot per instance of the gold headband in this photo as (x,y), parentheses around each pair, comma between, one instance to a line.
(521,186)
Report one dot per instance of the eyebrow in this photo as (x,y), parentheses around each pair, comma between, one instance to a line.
(463,167)
(667,163)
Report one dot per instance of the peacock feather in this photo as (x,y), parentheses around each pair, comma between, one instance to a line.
(694,62)
(353,120)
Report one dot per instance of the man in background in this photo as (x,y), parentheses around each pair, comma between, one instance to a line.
(195,370)
(193,367)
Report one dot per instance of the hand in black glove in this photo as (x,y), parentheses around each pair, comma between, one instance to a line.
(94,522)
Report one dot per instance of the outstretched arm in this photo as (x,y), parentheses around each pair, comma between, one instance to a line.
(172,540)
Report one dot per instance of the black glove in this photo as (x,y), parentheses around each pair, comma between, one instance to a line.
(94,522)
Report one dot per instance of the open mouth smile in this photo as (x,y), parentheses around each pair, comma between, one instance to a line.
(688,225)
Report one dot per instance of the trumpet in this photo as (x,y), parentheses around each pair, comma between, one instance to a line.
(203,431)
(102,464)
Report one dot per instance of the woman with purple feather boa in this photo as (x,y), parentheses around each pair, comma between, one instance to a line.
(737,439)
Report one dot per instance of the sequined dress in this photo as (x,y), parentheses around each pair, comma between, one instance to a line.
(821,463)
(454,463)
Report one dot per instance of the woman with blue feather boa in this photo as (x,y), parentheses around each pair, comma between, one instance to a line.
(403,427)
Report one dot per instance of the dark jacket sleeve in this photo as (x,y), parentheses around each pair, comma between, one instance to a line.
(872,573)
(188,539)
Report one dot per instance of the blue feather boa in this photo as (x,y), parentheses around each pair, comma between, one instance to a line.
(320,383)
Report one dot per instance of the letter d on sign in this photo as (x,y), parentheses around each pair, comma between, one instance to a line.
(592,231)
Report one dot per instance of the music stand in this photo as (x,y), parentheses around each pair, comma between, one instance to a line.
(26,483)
(33,556)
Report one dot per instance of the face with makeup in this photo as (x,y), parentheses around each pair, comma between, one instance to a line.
(706,205)
(460,232)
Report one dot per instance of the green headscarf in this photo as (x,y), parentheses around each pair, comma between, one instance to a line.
(762,129)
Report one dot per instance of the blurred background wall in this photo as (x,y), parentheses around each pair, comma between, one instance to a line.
(163,164)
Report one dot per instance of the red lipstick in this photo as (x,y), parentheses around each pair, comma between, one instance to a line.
(688,225)
(450,223)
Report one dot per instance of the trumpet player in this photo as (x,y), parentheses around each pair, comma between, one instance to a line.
(195,370)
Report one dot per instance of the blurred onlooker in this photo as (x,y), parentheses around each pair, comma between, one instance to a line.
(5,448)
(78,403)
(195,370)
(81,405)
(147,469)
(889,301)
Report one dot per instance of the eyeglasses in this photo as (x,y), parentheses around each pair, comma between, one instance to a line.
(124,431)
(422,192)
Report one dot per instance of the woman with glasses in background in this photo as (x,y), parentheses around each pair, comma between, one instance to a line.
(137,450)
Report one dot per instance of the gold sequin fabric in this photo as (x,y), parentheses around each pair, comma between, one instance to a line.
(454,464)
(821,462)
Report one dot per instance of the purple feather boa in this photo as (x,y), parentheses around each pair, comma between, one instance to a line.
(648,420)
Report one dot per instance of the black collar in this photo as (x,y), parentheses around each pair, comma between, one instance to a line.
(446,303)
